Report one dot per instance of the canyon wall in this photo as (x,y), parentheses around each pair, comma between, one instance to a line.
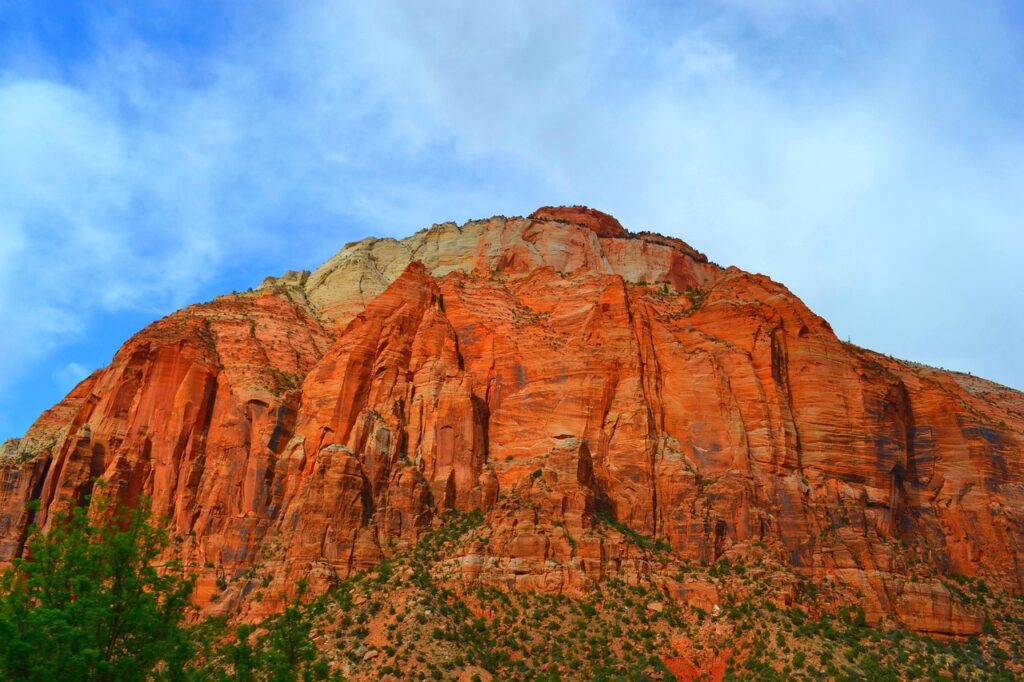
(550,370)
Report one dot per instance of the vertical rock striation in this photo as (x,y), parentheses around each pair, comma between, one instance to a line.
(549,370)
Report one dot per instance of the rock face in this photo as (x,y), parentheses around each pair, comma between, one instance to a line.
(548,370)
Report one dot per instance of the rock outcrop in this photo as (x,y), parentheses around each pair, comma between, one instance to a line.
(548,370)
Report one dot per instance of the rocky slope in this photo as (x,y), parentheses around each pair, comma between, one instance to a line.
(565,377)
(413,617)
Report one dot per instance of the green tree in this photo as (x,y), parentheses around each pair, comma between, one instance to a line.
(290,653)
(88,603)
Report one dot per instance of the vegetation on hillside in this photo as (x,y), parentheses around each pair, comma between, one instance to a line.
(90,604)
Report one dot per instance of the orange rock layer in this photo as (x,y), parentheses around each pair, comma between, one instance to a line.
(543,369)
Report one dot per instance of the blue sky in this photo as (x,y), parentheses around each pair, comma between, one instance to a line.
(870,155)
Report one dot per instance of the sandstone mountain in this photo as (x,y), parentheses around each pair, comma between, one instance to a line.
(564,377)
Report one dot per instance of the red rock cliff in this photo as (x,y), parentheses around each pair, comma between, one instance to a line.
(542,369)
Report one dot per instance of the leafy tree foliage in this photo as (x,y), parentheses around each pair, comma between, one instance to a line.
(89,602)
(288,652)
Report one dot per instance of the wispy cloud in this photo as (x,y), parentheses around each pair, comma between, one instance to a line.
(866,154)
(67,376)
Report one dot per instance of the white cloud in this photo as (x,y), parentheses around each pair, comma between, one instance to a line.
(854,151)
(69,375)
(870,175)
